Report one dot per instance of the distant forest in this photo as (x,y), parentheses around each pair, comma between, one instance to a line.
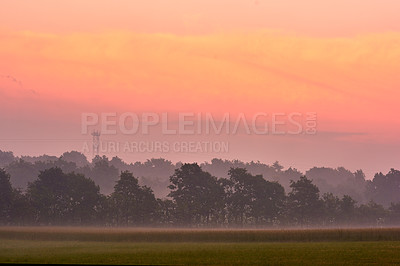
(70,190)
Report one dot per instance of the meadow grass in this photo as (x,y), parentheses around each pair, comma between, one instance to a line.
(245,253)
(197,235)
(198,247)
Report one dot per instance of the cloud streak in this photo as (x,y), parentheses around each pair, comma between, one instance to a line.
(340,78)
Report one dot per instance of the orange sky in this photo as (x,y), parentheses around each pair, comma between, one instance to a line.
(339,59)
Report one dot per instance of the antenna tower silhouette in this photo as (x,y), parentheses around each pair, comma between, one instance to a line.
(96,142)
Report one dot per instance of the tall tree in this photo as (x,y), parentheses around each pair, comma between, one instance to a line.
(385,189)
(196,193)
(331,206)
(347,210)
(76,157)
(104,174)
(253,199)
(22,173)
(48,195)
(60,198)
(132,204)
(6,157)
(6,197)
(304,204)
(86,203)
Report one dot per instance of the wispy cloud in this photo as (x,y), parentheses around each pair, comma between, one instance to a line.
(343,79)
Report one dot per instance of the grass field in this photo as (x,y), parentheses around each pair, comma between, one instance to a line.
(207,247)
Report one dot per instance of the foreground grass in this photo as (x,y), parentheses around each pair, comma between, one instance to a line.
(317,253)
(197,235)
(193,247)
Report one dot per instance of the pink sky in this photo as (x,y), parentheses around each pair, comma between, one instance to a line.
(340,59)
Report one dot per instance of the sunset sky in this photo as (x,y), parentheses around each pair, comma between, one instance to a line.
(339,59)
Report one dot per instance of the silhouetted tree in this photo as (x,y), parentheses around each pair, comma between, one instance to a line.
(6,197)
(385,189)
(42,158)
(78,158)
(104,174)
(21,173)
(196,194)
(132,204)
(154,173)
(394,214)
(253,199)
(277,166)
(22,212)
(339,181)
(331,206)
(304,205)
(166,212)
(6,157)
(371,214)
(347,210)
(59,198)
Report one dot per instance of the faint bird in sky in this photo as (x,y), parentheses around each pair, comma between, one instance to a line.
(12,79)
(8,82)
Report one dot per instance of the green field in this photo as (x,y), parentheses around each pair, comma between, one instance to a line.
(212,247)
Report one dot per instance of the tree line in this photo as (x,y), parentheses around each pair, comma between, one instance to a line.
(155,173)
(196,198)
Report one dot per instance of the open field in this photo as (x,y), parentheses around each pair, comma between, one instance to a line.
(212,247)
